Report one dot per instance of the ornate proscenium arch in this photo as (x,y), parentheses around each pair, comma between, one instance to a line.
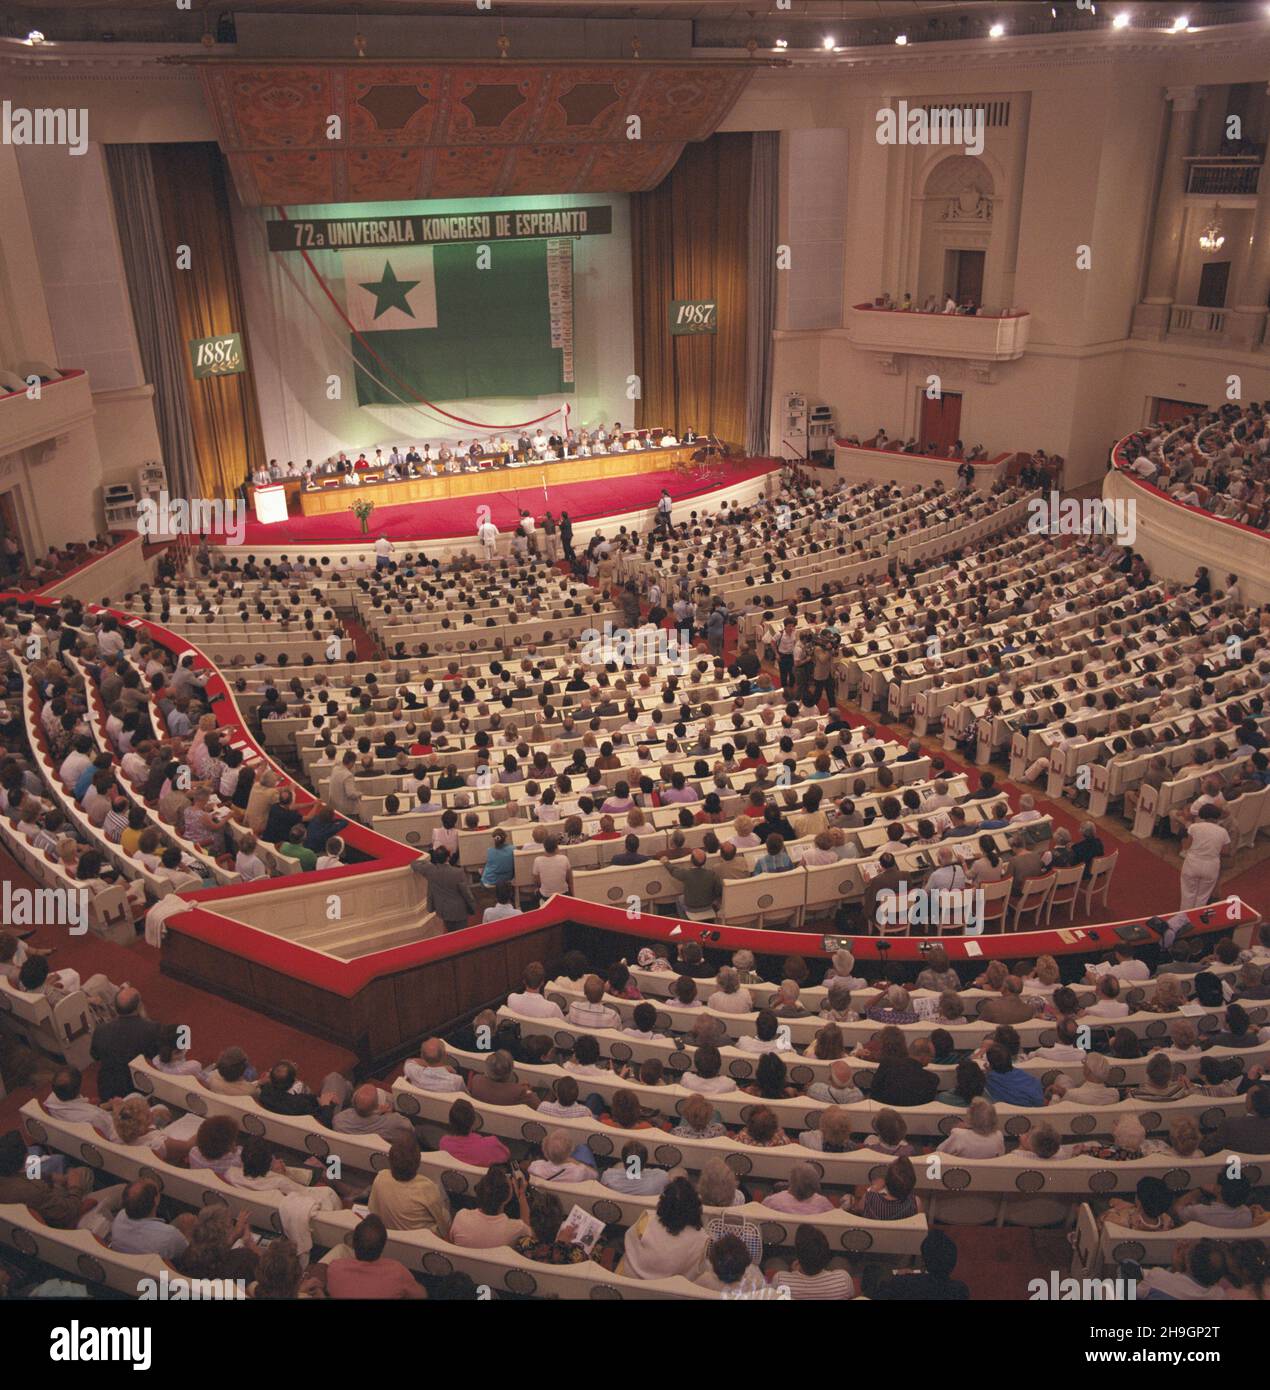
(305,133)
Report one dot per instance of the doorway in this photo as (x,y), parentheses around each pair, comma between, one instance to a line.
(963,273)
(1167,412)
(10,525)
(941,423)
(1213,279)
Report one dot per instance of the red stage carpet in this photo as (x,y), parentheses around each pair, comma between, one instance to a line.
(457,516)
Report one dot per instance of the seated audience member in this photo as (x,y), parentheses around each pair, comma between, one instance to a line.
(811,1275)
(634,1175)
(707,1064)
(466,1144)
(890,1197)
(668,1241)
(557,1163)
(547,1241)
(405,1199)
(367,1272)
(1006,1084)
(802,1195)
(592,1012)
(487,1225)
(934,1283)
(433,1070)
(138,1230)
(530,1001)
(978,1135)
(495,1086)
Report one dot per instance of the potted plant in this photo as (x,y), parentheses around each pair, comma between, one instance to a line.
(362,509)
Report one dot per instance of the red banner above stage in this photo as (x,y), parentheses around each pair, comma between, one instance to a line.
(309,133)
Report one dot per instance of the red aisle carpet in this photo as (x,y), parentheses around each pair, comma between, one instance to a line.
(456,516)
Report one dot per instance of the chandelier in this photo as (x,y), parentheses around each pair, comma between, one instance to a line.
(1212,238)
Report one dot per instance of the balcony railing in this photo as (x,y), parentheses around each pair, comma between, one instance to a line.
(1196,321)
(977,337)
(1230,175)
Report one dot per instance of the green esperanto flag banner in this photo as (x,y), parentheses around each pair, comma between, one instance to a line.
(460,322)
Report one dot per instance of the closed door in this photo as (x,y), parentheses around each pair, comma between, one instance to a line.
(1213,279)
(970,277)
(941,423)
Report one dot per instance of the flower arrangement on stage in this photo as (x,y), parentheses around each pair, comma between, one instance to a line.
(362,509)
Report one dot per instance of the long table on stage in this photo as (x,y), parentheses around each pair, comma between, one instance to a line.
(339,497)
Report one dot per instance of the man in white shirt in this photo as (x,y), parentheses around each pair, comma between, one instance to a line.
(591,1013)
(530,1001)
(432,1071)
(384,551)
(1125,967)
(540,444)
(487,534)
(66,1103)
(341,793)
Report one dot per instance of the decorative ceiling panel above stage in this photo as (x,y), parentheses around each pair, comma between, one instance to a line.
(357,131)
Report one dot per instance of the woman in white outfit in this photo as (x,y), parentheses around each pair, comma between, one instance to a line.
(1205,846)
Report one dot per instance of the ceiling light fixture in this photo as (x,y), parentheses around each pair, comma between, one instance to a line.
(828,43)
(1212,238)
(997,31)
(34,37)
(1121,21)
(1180,23)
(901,39)
(782,43)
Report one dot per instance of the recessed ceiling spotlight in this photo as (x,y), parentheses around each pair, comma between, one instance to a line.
(997,31)
(1180,23)
(901,39)
(828,43)
(1121,21)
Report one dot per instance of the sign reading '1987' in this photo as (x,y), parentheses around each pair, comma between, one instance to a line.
(693,316)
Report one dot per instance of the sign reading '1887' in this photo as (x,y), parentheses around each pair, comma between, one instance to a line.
(694,316)
(222,356)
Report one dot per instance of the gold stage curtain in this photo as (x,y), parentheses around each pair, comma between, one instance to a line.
(689,241)
(193,198)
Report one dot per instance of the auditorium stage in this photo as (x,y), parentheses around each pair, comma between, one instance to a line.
(454,517)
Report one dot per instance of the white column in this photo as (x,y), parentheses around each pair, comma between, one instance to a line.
(1152,316)
(1246,319)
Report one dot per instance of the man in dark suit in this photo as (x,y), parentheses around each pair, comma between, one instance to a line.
(1245,1134)
(116,1043)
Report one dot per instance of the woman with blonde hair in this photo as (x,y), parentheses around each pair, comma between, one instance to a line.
(744,838)
(1044,978)
(635,819)
(978,1135)
(1168,998)
(834,1134)
(842,970)
(1183,1038)
(1183,1141)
